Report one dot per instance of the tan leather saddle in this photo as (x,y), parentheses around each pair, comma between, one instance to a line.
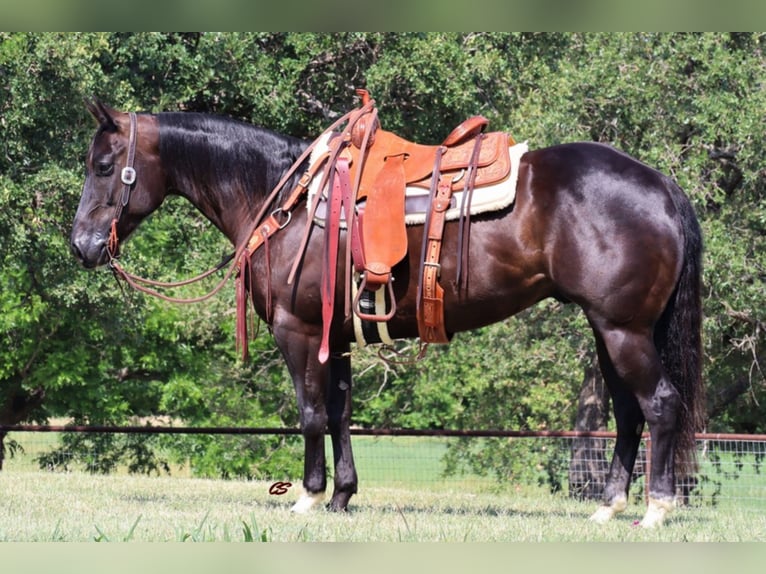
(467,158)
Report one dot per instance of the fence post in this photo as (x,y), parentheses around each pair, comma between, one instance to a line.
(648,470)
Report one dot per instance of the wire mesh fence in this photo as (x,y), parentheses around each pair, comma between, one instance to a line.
(730,473)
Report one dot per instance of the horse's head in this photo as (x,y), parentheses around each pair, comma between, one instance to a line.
(124,183)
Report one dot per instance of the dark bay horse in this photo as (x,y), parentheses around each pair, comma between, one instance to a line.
(589,225)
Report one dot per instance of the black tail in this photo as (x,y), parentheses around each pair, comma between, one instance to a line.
(679,339)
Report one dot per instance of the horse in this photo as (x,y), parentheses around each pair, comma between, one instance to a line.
(589,225)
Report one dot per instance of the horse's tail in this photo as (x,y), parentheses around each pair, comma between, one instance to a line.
(679,339)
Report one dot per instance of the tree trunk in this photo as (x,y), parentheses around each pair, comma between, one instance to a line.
(19,404)
(588,466)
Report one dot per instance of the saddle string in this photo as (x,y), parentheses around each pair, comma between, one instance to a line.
(464,224)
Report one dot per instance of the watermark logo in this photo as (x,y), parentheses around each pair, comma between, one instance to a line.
(279,488)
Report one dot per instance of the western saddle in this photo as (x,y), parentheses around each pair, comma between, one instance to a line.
(467,158)
(366,171)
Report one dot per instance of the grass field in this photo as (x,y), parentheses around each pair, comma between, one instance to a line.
(37,506)
(402,497)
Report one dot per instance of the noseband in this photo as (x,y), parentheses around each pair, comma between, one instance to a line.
(128,178)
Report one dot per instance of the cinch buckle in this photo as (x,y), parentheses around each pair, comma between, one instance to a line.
(436,266)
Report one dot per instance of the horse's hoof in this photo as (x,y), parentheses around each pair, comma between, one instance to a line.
(605,512)
(656,512)
(306,502)
(602,515)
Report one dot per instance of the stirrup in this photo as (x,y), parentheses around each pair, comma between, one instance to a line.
(356,308)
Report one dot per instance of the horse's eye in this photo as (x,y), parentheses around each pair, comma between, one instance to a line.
(104,168)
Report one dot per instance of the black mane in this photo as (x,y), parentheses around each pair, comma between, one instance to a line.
(223,155)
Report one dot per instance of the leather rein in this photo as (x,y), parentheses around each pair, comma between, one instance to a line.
(260,229)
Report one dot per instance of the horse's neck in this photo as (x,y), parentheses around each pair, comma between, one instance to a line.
(228,204)
(230,215)
(225,169)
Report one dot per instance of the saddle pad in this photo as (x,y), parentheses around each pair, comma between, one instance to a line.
(485,199)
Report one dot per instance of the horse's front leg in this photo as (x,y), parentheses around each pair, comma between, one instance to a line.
(339,411)
(300,350)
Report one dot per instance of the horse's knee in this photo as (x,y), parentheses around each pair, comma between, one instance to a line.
(313,422)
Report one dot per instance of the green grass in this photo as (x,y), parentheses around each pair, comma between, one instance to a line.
(38,506)
(729,480)
(407,461)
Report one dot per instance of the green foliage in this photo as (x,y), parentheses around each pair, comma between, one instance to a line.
(689,104)
(505,376)
(104,453)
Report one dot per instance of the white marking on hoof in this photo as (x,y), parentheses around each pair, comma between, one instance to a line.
(605,512)
(656,512)
(306,502)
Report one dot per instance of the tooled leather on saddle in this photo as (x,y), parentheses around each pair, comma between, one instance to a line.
(390,165)
(393,164)
(388,174)
(494,160)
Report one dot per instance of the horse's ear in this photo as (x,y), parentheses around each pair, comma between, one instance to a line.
(103,114)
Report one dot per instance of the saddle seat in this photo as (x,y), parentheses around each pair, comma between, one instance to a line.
(418,161)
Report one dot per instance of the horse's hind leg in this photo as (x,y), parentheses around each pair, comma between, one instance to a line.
(630,423)
(339,420)
(634,367)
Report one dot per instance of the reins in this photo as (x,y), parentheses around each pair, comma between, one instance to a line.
(265,224)
(148,286)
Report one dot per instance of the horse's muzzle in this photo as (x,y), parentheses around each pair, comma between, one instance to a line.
(89,253)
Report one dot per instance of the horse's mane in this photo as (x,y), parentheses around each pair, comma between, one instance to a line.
(223,155)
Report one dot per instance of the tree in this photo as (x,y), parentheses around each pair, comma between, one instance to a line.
(75,345)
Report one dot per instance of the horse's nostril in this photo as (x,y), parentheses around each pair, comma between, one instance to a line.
(75,250)
(81,254)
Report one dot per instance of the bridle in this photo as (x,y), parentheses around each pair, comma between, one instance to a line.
(128,178)
(261,228)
